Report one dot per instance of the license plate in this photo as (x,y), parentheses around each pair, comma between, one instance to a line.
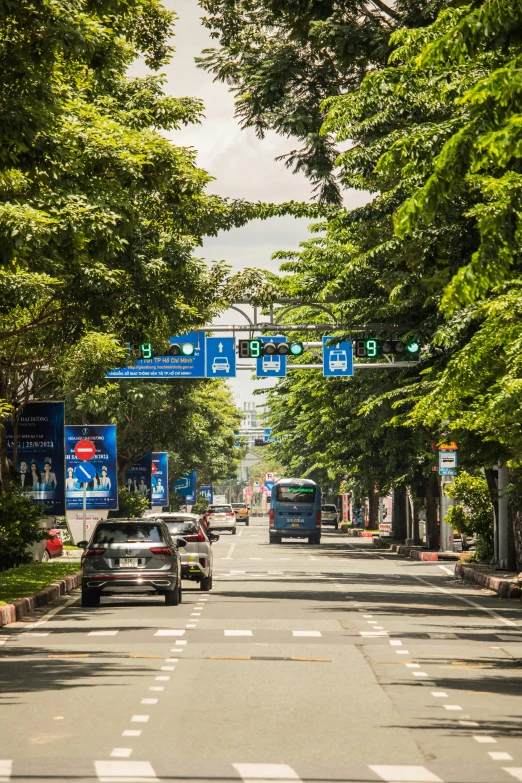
(128,562)
(297,522)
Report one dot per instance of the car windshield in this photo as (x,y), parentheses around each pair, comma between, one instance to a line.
(127,532)
(295,494)
(182,527)
(238,505)
(330,508)
(219,509)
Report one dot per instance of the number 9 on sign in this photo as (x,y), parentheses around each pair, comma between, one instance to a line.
(254,347)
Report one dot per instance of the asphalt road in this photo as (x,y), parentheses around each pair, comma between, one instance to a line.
(336,662)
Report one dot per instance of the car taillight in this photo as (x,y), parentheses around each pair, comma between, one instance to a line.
(318,519)
(93,552)
(160,550)
(230,514)
(200,536)
(271,517)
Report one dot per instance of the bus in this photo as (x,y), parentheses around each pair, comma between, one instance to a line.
(295,510)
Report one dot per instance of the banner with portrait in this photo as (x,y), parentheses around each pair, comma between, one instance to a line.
(40,459)
(138,476)
(160,479)
(102,491)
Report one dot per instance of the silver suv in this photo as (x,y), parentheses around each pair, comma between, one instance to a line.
(330,515)
(131,556)
(196,556)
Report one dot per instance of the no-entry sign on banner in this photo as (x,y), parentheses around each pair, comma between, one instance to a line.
(102,491)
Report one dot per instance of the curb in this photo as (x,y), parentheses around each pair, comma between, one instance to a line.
(12,613)
(359,533)
(503,587)
(417,554)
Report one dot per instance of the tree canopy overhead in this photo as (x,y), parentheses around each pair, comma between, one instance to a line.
(282,58)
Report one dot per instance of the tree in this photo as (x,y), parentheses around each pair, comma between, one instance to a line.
(282,59)
(472,513)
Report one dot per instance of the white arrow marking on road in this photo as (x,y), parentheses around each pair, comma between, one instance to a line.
(220,346)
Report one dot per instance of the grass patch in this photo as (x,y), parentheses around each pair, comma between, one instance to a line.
(71,546)
(29,579)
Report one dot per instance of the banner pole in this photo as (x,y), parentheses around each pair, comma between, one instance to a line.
(84,511)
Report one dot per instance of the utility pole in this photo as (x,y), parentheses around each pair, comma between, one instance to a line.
(447,543)
(503,521)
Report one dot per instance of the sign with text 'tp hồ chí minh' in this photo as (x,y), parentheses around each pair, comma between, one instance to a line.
(169,366)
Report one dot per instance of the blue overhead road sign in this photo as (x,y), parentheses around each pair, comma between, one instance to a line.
(220,357)
(84,472)
(169,366)
(337,358)
(271,366)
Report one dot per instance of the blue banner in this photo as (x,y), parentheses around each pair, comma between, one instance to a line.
(160,479)
(138,475)
(186,487)
(40,462)
(102,491)
(207,491)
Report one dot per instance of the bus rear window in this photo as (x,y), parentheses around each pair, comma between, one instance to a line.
(297,494)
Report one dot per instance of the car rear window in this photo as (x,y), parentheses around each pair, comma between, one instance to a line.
(179,527)
(295,494)
(333,509)
(238,505)
(127,533)
(219,509)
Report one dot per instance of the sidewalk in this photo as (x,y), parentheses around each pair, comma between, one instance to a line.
(505,584)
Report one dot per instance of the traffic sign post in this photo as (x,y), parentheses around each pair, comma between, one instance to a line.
(183,365)
(84,473)
(220,357)
(337,358)
(271,366)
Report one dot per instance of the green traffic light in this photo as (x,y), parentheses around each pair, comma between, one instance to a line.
(187,349)
(296,349)
(413,347)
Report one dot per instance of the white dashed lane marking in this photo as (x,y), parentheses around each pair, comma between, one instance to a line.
(140,718)
(102,633)
(238,633)
(170,632)
(128,771)
(453,708)
(484,739)
(306,633)
(516,772)
(121,753)
(131,733)
(6,767)
(405,774)
(499,756)
(259,773)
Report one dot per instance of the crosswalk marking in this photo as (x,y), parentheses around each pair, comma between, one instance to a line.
(404,774)
(6,767)
(516,772)
(125,772)
(306,633)
(102,633)
(238,633)
(169,632)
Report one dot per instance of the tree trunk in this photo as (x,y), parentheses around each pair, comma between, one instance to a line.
(373,509)
(515,513)
(399,514)
(432,523)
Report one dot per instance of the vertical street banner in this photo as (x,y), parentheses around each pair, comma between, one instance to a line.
(186,487)
(102,491)
(207,491)
(138,476)
(160,479)
(40,460)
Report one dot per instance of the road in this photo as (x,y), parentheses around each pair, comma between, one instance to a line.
(336,662)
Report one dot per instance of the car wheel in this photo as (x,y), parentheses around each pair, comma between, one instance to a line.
(337,525)
(46,556)
(247,522)
(173,597)
(233,531)
(275,539)
(206,583)
(90,597)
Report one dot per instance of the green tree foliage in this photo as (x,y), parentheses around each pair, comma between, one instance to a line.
(19,528)
(282,58)
(130,504)
(472,513)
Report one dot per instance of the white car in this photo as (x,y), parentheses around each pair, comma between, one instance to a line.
(221,517)
(221,364)
(338,360)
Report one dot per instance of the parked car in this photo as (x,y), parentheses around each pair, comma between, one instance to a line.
(330,515)
(196,556)
(241,512)
(221,517)
(131,556)
(53,545)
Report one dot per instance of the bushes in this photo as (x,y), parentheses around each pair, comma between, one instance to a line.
(19,528)
(472,512)
(131,504)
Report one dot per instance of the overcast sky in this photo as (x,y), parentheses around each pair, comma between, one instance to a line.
(243,165)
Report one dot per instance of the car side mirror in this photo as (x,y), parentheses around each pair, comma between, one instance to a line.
(213,537)
(83,544)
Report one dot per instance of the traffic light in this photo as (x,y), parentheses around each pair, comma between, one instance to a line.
(181,349)
(370,348)
(254,349)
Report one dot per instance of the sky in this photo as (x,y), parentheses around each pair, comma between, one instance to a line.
(243,165)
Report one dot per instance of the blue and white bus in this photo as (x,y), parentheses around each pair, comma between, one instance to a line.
(295,510)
